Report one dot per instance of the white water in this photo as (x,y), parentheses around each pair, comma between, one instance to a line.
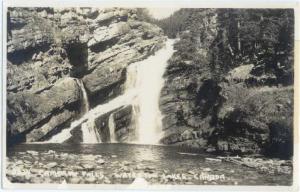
(149,84)
(89,132)
(142,89)
(91,115)
(85,101)
(111,125)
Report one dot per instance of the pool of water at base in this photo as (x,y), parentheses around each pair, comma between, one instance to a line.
(123,163)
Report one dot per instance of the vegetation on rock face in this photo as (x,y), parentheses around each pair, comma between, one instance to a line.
(263,37)
(239,62)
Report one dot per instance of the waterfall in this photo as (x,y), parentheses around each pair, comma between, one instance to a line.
(149,82)
(144,81)
(89,132)
(85,102)
(112,128)
(90,116)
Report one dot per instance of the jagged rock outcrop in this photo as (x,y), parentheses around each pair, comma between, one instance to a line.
(120,122)
(48,47)
(28,111)
(188,94)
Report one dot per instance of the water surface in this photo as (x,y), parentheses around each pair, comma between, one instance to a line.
(113,160)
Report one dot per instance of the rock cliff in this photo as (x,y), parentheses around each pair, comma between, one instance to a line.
(226,88)
(221,99)
(49,49)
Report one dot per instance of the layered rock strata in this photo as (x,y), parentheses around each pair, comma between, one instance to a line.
(48,49)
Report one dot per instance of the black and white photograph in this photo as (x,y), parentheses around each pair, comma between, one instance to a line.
(148,96)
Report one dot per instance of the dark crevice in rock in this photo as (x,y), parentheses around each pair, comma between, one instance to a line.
(207,97)
(105,94)
(104,45)
(102,125)
(47,88)
(20,56)
(78,55)
(281,141)
(14,139)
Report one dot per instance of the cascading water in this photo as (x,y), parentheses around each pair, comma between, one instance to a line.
(89,131)
(149,83)
(85,101)
(112,127)
(142,90)
(90,116)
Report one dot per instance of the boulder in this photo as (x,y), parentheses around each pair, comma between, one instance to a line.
(28,110)
(121,121)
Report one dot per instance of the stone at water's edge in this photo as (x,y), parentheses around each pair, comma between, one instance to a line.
(124,125)
(95,45)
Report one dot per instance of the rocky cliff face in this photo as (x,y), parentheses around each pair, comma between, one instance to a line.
(48,49)
(189,94)
(238,106)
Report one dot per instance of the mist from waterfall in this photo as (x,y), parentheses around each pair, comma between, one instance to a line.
(144,81)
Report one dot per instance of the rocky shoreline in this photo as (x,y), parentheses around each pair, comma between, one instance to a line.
(60,167)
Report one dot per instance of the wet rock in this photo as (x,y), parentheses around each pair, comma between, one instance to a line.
(88,167)
(210,149)
(126,163)
(213,159)
(191,172)
(36,180)
(88,157)
(90,180)
(35,171)
(74,180)
(51,165)
(100,161)
(19,162)
(107,181)
(207,169)
(77,167)
(50,152)
(33,152)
